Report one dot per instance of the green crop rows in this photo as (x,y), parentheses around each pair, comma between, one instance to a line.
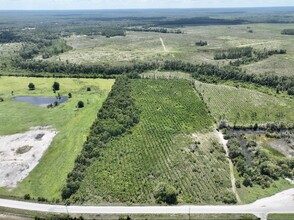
(157,150)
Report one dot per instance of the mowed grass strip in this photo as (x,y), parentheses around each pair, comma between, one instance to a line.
(72,124)
(157,150)
(243,106)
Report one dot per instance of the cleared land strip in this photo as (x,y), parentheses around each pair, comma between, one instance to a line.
(282,202)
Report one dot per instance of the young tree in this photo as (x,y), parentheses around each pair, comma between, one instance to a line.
(165,193)
(31,86)
(56,86)
(80,104)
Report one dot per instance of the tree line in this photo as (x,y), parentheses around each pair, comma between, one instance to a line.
(117,115)
(203,72)
(157,30)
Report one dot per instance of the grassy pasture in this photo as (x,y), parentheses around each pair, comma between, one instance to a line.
(47,179)
(157,150)
(239,105)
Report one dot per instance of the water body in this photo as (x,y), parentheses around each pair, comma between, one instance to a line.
(43,101)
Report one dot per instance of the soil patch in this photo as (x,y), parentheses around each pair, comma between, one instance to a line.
(20,153)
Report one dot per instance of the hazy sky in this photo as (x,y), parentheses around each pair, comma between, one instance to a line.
(127,4)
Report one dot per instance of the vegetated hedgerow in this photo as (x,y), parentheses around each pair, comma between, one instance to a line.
(116,116)
(161,150)
(243,107)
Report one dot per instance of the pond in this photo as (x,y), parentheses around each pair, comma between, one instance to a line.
(43,101)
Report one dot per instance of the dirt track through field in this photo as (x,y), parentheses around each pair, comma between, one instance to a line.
(163,45)
(233,180)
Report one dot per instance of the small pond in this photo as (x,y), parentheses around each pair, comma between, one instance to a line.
(40,100)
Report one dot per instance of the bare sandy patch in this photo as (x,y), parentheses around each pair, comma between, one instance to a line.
(20,153)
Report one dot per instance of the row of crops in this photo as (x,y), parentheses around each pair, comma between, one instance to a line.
(158,150)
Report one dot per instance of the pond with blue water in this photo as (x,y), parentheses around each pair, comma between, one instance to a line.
(43,101)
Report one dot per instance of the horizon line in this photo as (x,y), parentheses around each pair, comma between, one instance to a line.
(107,9)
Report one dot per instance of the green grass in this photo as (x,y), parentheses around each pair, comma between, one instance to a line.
(251,194)
(280,217)
(47,179)
(238,105)
(157,150)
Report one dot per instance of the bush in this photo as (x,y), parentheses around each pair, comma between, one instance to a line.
(229,198)
(1,99)
(31,86)
(238,184)
(165,193)
(27,197)
(69,95)
(80,104)
(290,91)
(201,43)
(88,89)
(56,86)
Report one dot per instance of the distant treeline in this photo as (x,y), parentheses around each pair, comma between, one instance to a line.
(201,21)
(117,115)
(203,72)
(206,71)
(257,56)
(157,30)
(288,31)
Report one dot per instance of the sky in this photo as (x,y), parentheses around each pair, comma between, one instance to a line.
(135,4)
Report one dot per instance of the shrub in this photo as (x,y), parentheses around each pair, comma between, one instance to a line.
(290,91)
(88,89)
(1,99)
(229,198)
(31,86)
(69,95)
(27,197)
(165,193)
(238,184)
(56,86)
(80,104)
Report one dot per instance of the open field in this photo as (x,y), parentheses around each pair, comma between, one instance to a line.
(116,50)
(244,107)
(142,46)
(159,149)
(71,124)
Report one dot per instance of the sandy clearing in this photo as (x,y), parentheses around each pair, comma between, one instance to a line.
(20,153)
